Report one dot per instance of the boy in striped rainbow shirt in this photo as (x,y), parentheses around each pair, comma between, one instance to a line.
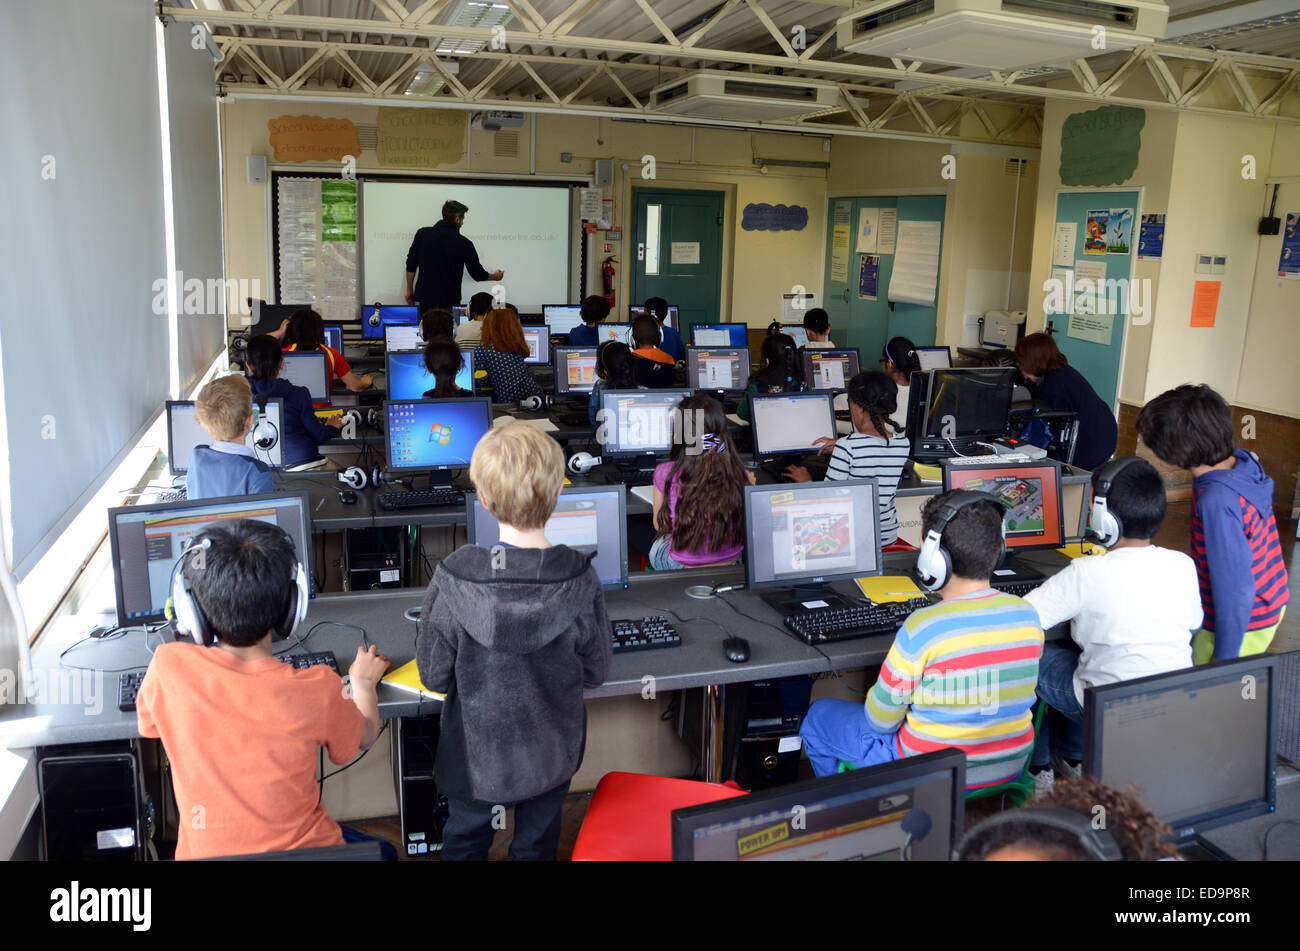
(960,673)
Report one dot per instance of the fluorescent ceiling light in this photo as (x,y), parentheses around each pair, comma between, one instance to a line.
(473,13)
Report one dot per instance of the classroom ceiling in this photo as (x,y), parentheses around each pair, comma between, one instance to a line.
(603,57)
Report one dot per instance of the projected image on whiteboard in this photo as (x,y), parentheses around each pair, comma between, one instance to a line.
(520,229)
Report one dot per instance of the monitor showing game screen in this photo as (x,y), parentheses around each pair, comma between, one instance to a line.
(1030,493)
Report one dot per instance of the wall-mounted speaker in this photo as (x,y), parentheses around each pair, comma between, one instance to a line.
(255,165)
(604,172)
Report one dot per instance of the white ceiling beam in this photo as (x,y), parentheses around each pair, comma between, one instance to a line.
(486,83)
(526,14)
(657,20)
(357,73)
(425,13)
(777,35)
(1164,77)
(300,75)
(550,93)
(699,34)
(627,92)
(570,18)
(392,10)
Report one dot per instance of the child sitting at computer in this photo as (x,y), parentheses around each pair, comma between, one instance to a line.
(306,332)
(1132,612)
(241,728)
(817,325)
(699,495)
(437,322)
(594,309)
(614,371)
(1244,584)
(512,635)
(654,368)
(960,673)
(500,354)
(227,466)
(670,339)
(470,332)
(780,372)
(303,430)
(443,360)
(873,450)
(899,362)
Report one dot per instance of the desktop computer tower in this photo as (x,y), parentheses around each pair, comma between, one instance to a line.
(91,803)
(422,810)
(374,558)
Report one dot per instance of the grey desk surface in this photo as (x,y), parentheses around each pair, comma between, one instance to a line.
(1244,841)
(699,661)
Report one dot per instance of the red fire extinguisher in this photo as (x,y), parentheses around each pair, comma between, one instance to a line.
(607,278)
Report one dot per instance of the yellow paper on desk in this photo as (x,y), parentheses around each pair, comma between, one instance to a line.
(1077,549)
(927,473)
(407,677)
(883,588)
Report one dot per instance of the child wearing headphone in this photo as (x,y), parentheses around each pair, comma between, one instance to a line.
(1132,612)
(303,430)
(654,368)
(227,466)
(781,371)
(614,371)
(241,727)
(960,673)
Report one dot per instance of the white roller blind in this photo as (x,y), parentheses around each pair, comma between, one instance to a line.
(85,357)
(196,199)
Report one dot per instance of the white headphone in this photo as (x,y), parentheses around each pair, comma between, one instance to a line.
(354,477)
(934,564)
(534,403)
(583,462)
(1105,526)
(189,616)
(373,319)
(265,433)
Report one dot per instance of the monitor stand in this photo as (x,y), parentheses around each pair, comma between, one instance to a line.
(800,598)
(1011,571)
(1197,848)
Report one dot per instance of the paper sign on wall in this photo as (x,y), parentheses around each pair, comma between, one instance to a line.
(868,229)
(1205,303)
(590,203)
(419,138)
(1088,294)
(1288,262)
(916,263)
(795,306)
(840,236)
(869,277)
(1063,243)
(1096,328)
(313,138)
(887,231)
(1151,239)
(686,252)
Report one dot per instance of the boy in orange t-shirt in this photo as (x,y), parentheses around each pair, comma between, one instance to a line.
(241,727)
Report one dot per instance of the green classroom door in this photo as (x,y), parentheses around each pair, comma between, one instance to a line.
(677,253)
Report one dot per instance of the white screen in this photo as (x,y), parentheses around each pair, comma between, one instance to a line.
(402,338)
(933,358)
(184,433)
(563,318)
(520,229)
(790,423)
(712,338)
(309,370)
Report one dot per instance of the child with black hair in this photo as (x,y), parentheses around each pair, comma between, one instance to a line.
(594,309)
(899,363)
(614,371)
(781,371)
(817,325)
(1239,562)
(1132,613)
(437,322)
(960,673)
(873,450)
(654,368)
(470,332)
(303,430)
(241,728)
(443,360)
(305,332)
(670,339)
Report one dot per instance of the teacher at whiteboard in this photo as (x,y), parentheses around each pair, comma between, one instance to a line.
(439,254)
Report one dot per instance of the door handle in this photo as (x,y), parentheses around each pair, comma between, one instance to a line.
(845,295)
(640,251)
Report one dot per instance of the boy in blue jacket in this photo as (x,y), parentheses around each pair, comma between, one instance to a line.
(227,466)
(303,431)
(1239,563)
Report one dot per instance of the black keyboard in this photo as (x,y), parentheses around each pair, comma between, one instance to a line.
(315,659)
(820,625)
(630,476)
(1018,588)
(128,685)
(644,635)
(419,499)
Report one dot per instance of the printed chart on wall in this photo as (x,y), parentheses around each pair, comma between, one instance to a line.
(317,228)
(1288,265)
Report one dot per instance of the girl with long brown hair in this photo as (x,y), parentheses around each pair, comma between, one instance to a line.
(501,354)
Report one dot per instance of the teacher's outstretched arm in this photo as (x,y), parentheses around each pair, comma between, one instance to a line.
(412,262)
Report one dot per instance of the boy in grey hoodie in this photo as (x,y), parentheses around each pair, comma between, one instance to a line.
(512,635)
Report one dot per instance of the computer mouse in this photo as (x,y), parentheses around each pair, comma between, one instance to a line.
(736,649)
(347,496)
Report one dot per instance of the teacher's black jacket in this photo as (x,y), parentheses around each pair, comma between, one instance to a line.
(439,254)
(1065,389)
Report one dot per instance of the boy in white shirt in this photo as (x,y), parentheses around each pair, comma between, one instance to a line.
(817,325)
(1132,613)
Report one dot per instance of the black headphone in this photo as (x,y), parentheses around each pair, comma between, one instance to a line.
(1104,526)
(934,564)
(1098,844)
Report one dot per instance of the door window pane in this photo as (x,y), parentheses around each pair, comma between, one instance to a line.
(652,238)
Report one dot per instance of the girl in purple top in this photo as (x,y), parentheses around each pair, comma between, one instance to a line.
(703,484)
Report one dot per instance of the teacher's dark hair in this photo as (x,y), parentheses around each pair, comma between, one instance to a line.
(1039,354)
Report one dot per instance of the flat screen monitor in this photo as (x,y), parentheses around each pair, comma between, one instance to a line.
(460,314)
(562,318)
(184,433)
(267,318)
(1030,494)
(409,380)
(575,369)
(798,332)
(1198,744)
(538,338)
(805,534)
(913,809)
(671,320)
(310,369)
(375,317)
(722,369)
(967,402)
(638,422)
(334,338)
(934,358)
(403,337)
(790,423)
(146,541)
(589,519)
(719,335)
(606,331)
(435,435)
(830,369)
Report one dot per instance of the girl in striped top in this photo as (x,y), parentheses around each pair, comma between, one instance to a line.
(874,450)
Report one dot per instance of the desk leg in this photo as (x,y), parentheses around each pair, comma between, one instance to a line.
(715,696)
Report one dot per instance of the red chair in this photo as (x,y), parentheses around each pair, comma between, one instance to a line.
(900,545)
(629,816)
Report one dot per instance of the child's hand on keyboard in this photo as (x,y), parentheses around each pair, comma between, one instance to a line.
(825,445)
(797,474)
(368,666)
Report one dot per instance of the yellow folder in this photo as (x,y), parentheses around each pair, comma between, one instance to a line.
(407,677)
(883,588)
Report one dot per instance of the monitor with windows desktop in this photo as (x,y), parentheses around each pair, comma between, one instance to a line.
(830,369)
(334,338)
(561,319)
(949,411)
(934,358)
(590,519)
(913,809)
(148,540)
(435,436)
(403,337)
(460,314)
(184,433)
(720,370)
(408,379)
(801,536)
(375,317)
(796,331)
(671,320)
(310,369)
(538,339)
(719,335)
(575,369)
(1198,744)
(789,424)
(638,426)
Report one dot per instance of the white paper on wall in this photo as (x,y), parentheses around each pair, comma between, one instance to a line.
(916,263)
